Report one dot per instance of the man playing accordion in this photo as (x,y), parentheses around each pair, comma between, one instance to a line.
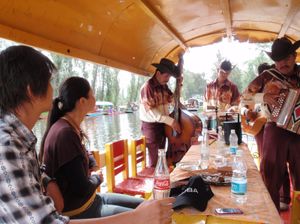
(280,146)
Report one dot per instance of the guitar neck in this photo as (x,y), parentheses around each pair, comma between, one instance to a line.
(178,88)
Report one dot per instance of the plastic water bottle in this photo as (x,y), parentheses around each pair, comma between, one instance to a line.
(239,179)
(220,160)
(161,188)
(233,142)
(221,141)
(204,150)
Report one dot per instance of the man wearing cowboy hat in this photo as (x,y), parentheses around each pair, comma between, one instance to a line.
(154,107)
(280,146)
(221,92)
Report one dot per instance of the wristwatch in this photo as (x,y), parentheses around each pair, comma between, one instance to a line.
(46,180)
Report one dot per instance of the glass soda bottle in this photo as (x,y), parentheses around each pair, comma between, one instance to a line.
(161,188)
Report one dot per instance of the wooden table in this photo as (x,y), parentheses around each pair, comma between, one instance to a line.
(259,205)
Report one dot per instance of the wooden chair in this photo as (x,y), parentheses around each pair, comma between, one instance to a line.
(116,156)
(138,156)
(295,213)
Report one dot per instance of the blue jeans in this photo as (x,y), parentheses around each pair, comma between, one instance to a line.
(109,204)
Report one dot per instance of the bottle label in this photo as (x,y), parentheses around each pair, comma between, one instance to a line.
(233,150)
(239,187)
(162,184)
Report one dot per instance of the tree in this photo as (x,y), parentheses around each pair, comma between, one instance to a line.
(193,84)
(134,87)
(65,69)
(111,86)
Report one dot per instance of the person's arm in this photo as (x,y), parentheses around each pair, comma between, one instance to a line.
(53,191)
(157,116)
(235,99)
(149,212)
(252,95)
(74,172)
(151,110)
(93,166)
(21,183)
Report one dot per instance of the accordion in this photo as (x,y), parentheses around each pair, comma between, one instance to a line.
(287,114)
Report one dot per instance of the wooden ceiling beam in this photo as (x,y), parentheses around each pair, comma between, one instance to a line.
(225,6)
(294,9)
(159,19)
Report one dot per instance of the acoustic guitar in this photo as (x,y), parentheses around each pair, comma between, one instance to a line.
(254,126)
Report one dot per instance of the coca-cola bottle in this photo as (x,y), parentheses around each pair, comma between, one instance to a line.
(161,187)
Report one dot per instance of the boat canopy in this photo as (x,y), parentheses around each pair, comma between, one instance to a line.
(133,34)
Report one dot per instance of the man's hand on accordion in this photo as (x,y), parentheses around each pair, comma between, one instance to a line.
(271,99)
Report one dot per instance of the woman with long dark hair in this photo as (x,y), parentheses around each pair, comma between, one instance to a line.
(66,159)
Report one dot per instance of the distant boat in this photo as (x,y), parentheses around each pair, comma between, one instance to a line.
(102,108)
(125,109)
(193,104)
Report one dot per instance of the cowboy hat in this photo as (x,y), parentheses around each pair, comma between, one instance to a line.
(166,66)
(282,47)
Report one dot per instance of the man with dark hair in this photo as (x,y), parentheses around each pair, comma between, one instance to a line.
(154,108)
(26,92)
(222,93)
(280,146)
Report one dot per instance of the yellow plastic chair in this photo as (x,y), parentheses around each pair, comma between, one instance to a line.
(116,156)
(295,212)
(138,156)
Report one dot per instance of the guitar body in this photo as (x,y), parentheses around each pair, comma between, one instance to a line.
(191,125)
(178,145)
(253,127)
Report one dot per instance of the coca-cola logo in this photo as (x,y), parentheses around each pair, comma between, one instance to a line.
(162,184)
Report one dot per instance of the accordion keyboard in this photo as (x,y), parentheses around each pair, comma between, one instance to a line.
(287,103)
(281,100)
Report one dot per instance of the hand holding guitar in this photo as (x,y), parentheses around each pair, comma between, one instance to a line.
(251,115)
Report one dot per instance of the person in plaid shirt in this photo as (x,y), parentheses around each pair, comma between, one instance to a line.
(279,146)
(222,93)
(26,92)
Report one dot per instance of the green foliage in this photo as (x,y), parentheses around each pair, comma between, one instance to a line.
(134,87)
(242,78)
(193,84)
(107,83)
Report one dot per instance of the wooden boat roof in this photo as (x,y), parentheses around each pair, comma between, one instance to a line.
(132,34)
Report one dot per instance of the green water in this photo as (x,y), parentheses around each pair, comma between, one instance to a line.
(102,129)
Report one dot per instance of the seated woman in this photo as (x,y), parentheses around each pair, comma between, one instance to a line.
(66,158)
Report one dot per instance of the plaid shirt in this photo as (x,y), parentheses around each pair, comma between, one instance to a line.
(155,101)
(21,197)
(223,96)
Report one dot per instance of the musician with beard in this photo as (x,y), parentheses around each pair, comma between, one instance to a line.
(280,146)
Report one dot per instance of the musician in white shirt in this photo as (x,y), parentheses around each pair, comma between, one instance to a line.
(280,146)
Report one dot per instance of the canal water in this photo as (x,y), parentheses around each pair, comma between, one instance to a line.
(102,129)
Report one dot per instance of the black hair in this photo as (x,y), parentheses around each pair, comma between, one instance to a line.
(226,65)
(71,90)
(262,67)
(22,67)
